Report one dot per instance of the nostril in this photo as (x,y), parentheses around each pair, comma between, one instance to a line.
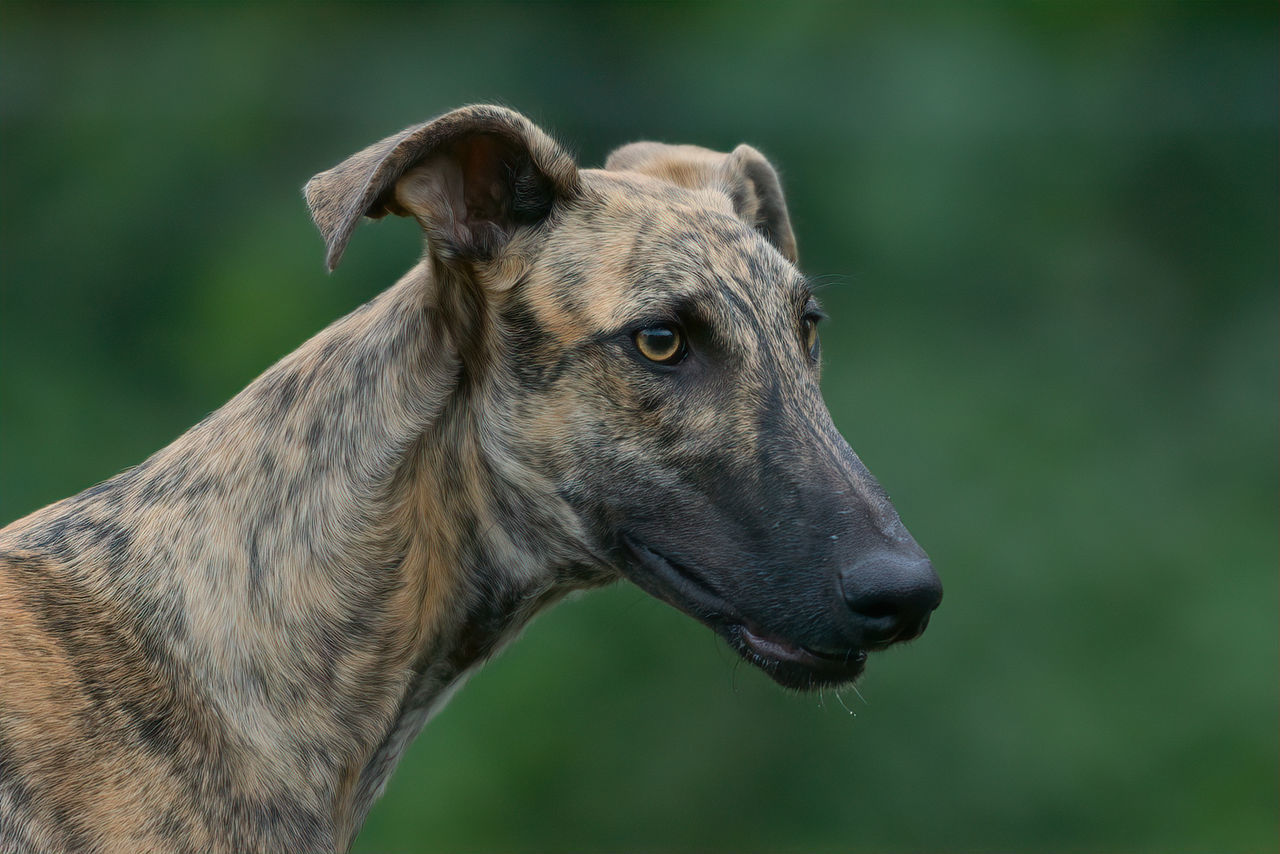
(890,596)
(876,608)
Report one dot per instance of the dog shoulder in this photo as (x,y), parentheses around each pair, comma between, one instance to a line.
(82,754)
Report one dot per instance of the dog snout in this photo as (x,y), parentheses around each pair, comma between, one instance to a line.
(890,596)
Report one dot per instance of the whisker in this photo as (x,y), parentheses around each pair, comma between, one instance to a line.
(846,708)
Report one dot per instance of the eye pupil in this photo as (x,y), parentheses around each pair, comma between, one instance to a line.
(660,344)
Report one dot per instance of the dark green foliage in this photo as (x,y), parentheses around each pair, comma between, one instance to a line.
(1050,233)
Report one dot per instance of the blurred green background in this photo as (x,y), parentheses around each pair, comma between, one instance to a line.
(1051,236)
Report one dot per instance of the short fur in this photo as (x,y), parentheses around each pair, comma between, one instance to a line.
(228,647)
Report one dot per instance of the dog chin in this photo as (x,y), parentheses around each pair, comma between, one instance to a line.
(791,665)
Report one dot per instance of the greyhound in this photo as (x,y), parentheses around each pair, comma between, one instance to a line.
(591,374)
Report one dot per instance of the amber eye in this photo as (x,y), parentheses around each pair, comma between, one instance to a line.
(810,329)
(660,344)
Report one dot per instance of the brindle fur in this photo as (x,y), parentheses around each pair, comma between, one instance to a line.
(228,647)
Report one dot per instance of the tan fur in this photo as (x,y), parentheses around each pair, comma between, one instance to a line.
(47,703)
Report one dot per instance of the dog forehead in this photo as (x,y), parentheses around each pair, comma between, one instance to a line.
(636,246)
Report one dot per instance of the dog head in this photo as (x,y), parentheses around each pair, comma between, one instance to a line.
(648,357)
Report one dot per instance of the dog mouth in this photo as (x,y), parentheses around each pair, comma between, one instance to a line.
(788,663)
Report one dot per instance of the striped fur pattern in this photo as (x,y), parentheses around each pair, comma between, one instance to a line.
(228,647)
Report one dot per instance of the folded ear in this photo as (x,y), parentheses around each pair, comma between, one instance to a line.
(470,177)
(744,175)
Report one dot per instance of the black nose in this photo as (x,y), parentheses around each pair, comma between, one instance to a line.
(891,596)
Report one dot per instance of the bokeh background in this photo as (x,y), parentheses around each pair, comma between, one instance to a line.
(1049,233)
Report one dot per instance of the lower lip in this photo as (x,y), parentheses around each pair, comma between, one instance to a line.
(778,651)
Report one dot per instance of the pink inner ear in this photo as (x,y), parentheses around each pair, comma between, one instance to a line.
(483,161)
(475,193)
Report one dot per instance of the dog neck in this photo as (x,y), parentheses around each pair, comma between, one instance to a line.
(313,568)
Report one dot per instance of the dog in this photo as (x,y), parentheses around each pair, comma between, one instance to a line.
(590,375)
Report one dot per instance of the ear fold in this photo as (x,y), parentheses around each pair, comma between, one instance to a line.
(744,175)
(470,177)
